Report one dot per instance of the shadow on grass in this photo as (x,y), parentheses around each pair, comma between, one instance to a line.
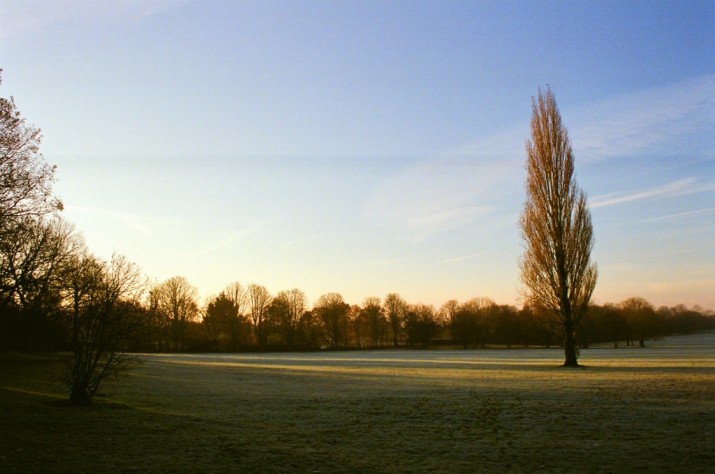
(301,414)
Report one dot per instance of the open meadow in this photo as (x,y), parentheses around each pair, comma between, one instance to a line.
(628,409)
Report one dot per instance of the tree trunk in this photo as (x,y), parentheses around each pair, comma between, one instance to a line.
(571,358)
(78,395)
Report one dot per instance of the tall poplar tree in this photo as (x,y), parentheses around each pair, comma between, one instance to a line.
(556,226)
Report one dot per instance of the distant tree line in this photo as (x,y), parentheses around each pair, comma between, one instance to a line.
(168,317)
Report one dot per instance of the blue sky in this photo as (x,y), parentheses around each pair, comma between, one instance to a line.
(371,147)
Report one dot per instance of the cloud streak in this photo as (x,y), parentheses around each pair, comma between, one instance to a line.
(676,188)
(140,223)
(226,242)
(462,258)
(451,190)
(644,121)
(683,215)
(471,182)
(435,196)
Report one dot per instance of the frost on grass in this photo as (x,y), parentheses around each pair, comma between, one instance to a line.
(407,411)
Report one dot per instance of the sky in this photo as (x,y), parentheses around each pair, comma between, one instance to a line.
(369,147)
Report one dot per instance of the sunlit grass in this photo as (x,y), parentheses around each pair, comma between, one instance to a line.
(381,411)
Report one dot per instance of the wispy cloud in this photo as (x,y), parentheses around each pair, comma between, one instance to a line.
(222,243)
(683,215)
(676,188)
(462,258)
(644,121)
(451,190)
(32,16)
(141,223)
(473,181)
(431,197)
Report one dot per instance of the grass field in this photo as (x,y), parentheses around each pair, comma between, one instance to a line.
(648,410)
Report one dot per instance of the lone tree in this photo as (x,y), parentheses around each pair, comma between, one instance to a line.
(103,300)
(556,226)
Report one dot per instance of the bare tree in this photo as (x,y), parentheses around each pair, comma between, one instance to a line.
(227,328)
(31,279)
(237,294)
(421,323)
(355,326)
(449,314)
(30,261)
(258,300)
(333,312)
(448,310)
(642,321)
(507,327)
(468,321)
(481,310)
(395,308)
(286,309)
(25,179)
(310,332)
(175,302)
(226,320)
(374,316)
(27,238)
(103,300)
(556,225)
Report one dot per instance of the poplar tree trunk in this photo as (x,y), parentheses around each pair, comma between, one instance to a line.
(570,353)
